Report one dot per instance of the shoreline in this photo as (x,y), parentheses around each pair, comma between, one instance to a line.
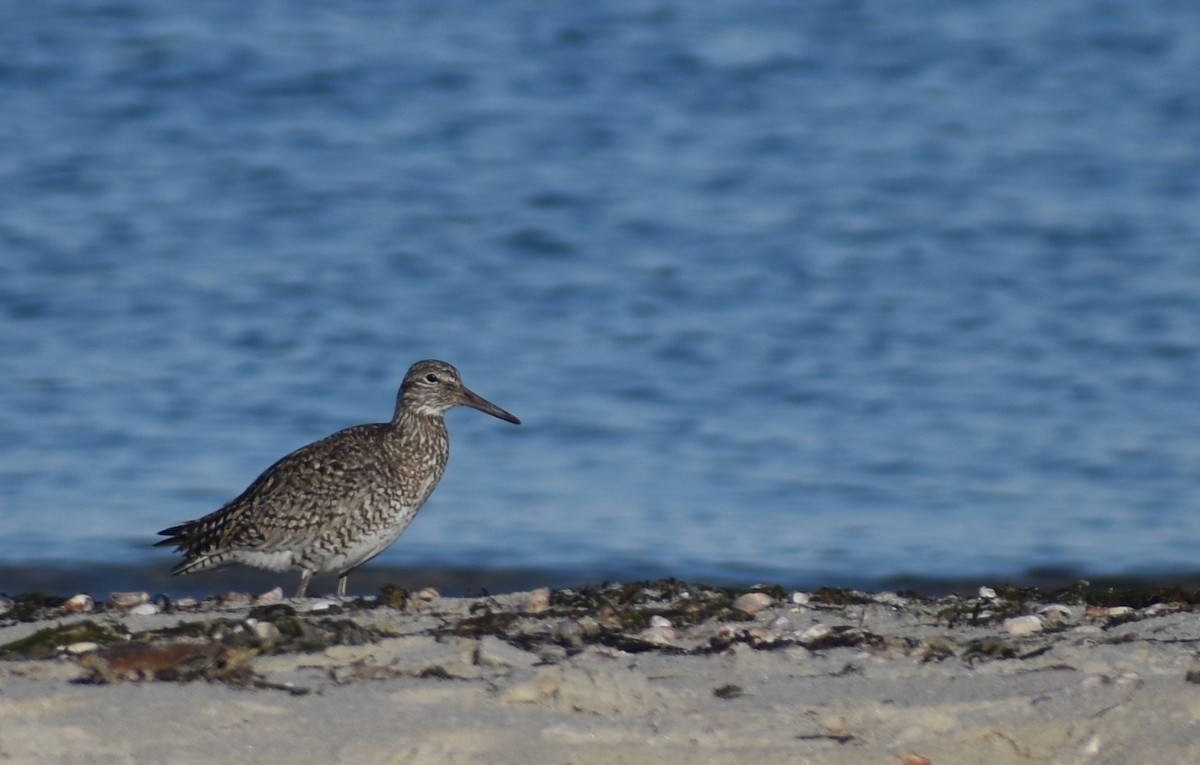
(67,577)
(665,671)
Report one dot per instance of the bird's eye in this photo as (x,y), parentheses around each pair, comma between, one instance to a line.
(431,377)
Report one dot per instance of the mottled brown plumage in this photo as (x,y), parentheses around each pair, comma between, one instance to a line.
(335,504)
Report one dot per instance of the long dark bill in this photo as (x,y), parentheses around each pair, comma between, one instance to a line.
(475,401)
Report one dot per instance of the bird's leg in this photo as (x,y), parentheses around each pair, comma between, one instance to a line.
(305,575)
(342,585)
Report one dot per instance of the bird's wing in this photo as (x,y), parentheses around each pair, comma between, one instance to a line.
(301,491)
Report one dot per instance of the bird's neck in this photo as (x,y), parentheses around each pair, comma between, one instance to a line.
(412,433)
(417,424)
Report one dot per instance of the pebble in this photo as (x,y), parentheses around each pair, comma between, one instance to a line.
(538,602)
(801,598)
(79,604)
(570,633)
(494,652)
(1023,625)
(889,599)
(658,635)
(80,648)
(589,625)
(607,616)
(814,633)
(263,630)
(658,620)
(987,593)
(6,605)
(127,600)
(780,622)
(271,596)
(235,598)
(317,604)
(551,654)
(145,609)
(760,636)
(1055,613)
(1101,612)
(185,603)
(573,632)
(1155,609)
(753,602)
(427,594)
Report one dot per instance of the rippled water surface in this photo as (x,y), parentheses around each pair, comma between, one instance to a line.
(819,292)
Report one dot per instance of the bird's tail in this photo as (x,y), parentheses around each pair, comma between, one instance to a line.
(195,539)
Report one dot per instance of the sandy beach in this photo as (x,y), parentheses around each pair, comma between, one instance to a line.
(662,672)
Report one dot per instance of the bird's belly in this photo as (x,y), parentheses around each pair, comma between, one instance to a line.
(360,549)
(280,560)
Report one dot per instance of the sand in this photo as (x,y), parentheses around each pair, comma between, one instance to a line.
(595,677)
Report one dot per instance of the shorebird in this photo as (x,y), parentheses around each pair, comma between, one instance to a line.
(335,504)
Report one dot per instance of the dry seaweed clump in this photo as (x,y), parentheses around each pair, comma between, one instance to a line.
(222,649)
(635,603)
(609,614)
(667,615)
(1026,610)
(31,607)
(179,662)
(48,642)
(275,629)
(217,647)
(633,617)
(1140,597)
(677,617)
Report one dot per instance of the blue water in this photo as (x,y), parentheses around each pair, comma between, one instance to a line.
(817,293)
